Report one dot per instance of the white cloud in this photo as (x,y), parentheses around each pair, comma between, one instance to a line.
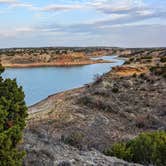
(145,12)
(8,2)
(15,4)
(120,19)
(24,29)
(49,8)
(55,8)
(24,5)
(13,32)
(124,36)
(120,6)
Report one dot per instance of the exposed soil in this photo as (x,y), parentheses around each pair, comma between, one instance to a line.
(38,58)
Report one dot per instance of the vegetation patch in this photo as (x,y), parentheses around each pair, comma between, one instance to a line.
(92,102)
(74,139)
(163,59)
(115,90)
(146,57)
(135,75)
(13,112)
(159,70)
(148,148)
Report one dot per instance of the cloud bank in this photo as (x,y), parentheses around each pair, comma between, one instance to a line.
(132,23)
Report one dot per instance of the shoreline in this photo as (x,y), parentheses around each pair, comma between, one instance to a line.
(73,90)
(52,97)
(116,71)
(47,103)
(56,64)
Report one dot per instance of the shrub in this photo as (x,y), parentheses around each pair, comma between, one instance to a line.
(91,102)
(127,62)
(131,59)
(147,57)
(142,75)
(148,148)
(163,59)
(13,112)
(85,100)
(75,139)
(159,70)
(97,79)
(119,150)
(134,75)
(101,92)
(115,90)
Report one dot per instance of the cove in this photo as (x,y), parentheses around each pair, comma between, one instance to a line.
(38,83)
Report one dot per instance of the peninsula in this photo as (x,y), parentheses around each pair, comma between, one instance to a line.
(40,57)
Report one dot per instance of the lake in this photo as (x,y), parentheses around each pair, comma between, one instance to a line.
(38,83)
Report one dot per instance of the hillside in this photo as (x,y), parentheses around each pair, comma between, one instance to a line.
(76,126)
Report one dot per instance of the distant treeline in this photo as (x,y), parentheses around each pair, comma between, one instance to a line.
(49,50)
(65,50)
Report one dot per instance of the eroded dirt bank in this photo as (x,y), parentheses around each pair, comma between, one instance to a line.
(74,127)
(58,56)
(41,57)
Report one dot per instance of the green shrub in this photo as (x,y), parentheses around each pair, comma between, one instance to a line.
(147,148)
(119,150)
(163,59)
(159,70)
(115,90)
(75,139)
(131,59)
(13,112)
(134,75)
(144,76)
(147,57)
(127,62)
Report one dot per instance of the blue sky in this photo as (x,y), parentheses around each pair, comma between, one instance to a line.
(123,23)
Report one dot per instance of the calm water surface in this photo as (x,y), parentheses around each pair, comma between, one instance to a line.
(38,83)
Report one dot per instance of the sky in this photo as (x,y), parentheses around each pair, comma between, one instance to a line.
(120,23)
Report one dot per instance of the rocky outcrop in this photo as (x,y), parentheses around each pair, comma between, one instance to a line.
(42,151)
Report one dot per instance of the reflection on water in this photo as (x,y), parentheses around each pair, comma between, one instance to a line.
(38,83)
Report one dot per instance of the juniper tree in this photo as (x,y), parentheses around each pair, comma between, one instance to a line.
(13,112)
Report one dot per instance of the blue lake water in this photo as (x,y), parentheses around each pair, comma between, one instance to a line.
(38,83)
